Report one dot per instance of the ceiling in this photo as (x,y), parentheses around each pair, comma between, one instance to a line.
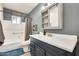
(21,7)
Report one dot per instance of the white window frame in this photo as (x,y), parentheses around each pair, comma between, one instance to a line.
(15,19)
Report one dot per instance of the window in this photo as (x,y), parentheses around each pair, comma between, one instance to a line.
(16,19)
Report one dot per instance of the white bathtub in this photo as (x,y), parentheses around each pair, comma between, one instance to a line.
(14,36)
(11,45)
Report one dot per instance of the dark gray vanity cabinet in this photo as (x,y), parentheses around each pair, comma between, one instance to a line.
(39,48)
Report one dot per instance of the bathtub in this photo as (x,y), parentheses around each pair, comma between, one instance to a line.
(9,45)
(14,36)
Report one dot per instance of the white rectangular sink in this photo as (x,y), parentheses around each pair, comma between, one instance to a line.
(65,42)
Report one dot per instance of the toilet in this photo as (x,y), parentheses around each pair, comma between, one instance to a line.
(25,45)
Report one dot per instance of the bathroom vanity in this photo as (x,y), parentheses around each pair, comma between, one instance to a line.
(46,46)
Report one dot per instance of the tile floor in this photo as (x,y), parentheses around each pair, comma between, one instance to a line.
(27,54)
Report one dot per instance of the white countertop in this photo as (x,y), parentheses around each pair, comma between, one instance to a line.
(65,44)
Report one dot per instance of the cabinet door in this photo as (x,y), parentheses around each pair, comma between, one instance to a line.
(32,49)
(49,54)
(39,51)
(55,16)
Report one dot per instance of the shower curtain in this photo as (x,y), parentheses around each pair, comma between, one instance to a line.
(28,28)
(1,34)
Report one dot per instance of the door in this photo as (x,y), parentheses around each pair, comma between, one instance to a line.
(39,51)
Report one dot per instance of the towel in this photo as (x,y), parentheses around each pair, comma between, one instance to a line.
(1,35)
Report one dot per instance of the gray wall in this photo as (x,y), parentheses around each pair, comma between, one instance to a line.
(36,17)
(70,17)
(7,14)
